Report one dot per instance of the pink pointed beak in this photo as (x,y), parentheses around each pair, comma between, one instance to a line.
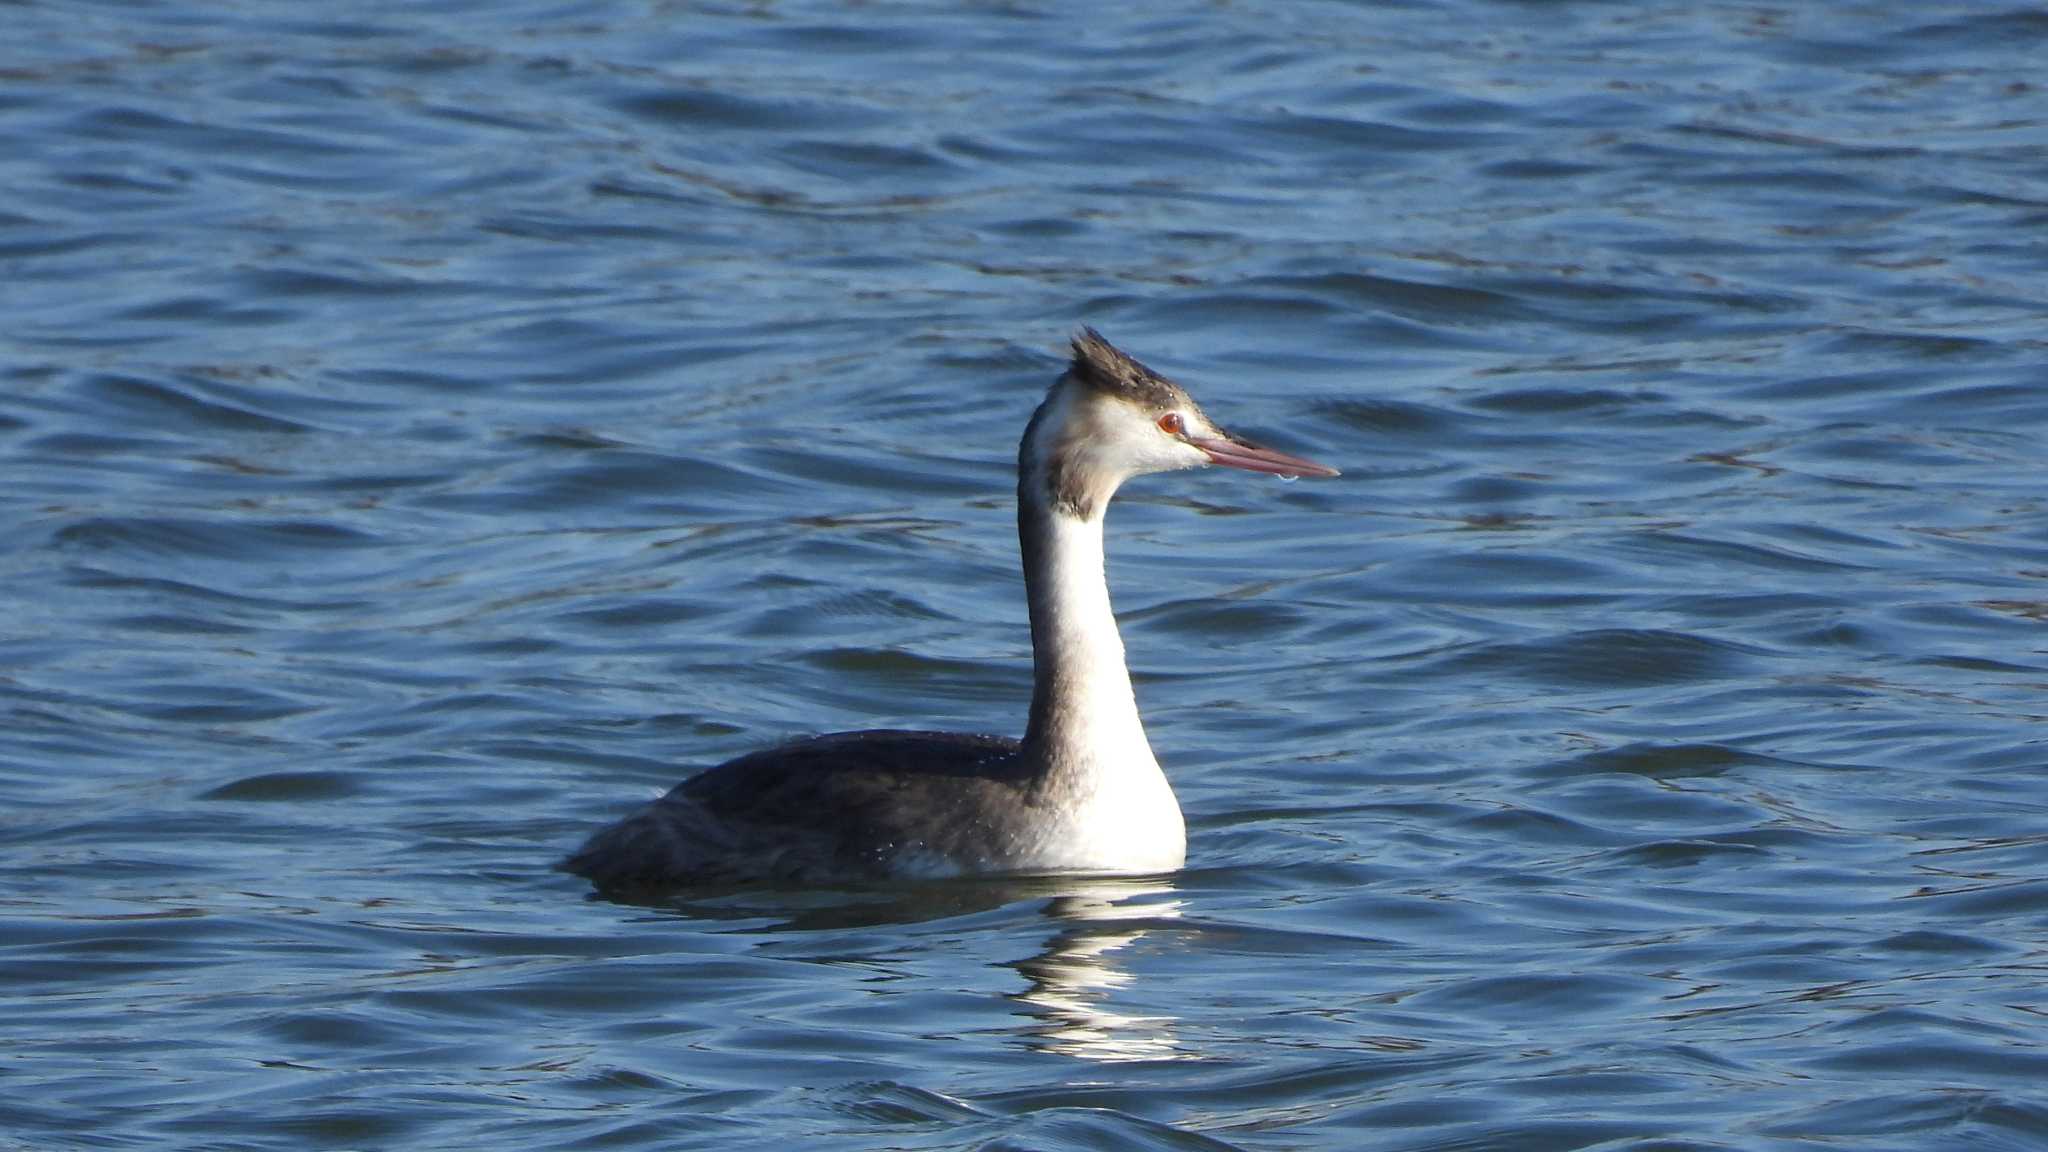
(1231,452)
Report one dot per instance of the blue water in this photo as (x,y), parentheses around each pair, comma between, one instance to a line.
(427,430)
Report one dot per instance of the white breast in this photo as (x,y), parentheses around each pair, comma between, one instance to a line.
(1119,813)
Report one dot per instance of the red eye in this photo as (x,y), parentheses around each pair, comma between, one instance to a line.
(1171,424)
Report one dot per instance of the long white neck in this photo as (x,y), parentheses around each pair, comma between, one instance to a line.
(1084,717)
(1112,808)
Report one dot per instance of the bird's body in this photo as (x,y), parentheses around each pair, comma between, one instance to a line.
(875,804)
(1081,792)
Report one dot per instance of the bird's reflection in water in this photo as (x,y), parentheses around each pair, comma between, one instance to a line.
(1073,981)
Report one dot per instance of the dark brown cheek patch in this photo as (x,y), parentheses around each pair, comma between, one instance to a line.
(1073,498)
(1067,484)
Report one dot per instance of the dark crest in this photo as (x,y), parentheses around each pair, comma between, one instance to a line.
(1104,366)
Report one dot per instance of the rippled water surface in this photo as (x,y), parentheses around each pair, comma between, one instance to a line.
(427,430)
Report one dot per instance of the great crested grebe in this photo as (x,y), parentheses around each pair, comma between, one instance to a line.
(1080,793)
